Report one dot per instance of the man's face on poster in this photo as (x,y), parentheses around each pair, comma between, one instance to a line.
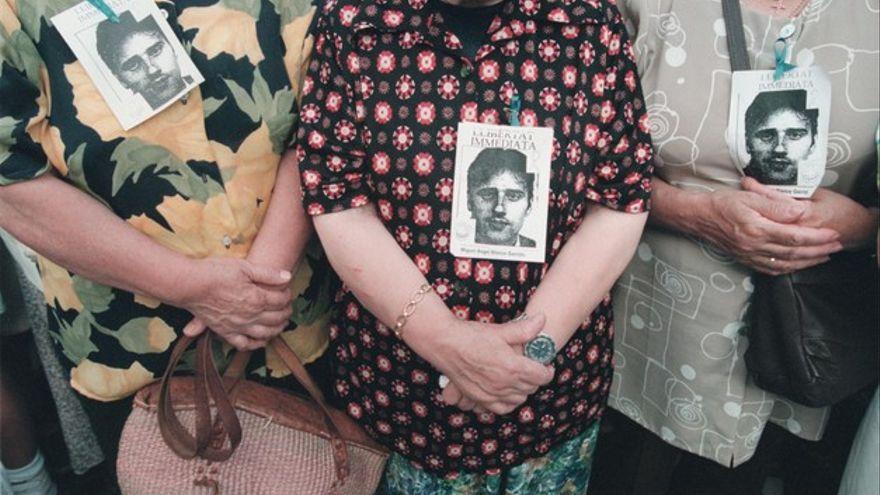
(146,64)
(779,143)
(499,206)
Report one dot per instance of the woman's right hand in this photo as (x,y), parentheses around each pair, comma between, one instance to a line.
(244,303)
(481,361)
(761,232)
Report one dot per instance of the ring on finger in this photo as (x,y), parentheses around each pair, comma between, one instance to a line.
(772,260)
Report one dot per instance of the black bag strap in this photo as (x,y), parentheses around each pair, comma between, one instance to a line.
(736,38)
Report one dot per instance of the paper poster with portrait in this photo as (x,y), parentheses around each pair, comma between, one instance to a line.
(778,130)
(501,192)
(137,64)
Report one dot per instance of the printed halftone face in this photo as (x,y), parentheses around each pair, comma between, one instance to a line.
(780,143)
(499,207)
(147,65)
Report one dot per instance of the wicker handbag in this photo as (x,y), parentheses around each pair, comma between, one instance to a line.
(282,443)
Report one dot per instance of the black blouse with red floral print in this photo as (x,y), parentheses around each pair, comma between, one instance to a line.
(385,91)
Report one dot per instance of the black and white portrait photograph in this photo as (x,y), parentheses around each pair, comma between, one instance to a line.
(781,129)
(499,197)
(780,133)
(500,192)
(135,61)
(141,58)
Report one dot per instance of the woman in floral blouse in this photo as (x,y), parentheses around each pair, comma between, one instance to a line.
(386,88)
(144,229)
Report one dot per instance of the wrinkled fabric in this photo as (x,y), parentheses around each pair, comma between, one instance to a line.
(196,178)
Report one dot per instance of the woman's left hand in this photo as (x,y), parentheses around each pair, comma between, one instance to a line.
(241,342)
(828,209)
(453,396)
(248,341)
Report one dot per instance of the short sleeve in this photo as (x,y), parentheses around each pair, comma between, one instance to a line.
(330,137)
(622,168)
(23,104)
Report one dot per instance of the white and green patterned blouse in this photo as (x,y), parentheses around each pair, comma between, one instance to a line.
(679,305)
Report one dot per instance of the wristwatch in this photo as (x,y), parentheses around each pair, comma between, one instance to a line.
(542,349)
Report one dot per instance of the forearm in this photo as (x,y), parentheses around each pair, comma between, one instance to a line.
(857,231)
(586,269)
(676,209)
(286,228)
(381,275)
(77,232)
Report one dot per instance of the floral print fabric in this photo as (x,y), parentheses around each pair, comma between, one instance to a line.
(197,178)
(565,470)
(385,90)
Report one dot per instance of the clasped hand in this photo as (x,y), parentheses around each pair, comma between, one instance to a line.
(246,304)
(487,369)
(769,231)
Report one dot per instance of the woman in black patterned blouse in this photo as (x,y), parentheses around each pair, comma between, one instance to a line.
(386,89)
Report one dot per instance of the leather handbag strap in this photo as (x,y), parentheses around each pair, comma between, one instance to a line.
(291,360)
(201,399)
(226,425)
(235,371)
(173,432)
(210,436)
(210,439)
(238,364)
(736,39)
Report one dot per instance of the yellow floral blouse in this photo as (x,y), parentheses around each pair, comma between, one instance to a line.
(196,178)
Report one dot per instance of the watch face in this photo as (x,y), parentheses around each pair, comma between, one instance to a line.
(541,349)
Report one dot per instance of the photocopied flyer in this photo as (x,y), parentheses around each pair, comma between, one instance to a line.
(501,192)
(778,130)
(137,64)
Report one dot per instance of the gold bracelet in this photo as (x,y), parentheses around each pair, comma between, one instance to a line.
(409,309)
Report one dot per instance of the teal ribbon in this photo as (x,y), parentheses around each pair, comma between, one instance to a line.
(780,50)
(105,9)
(515,105)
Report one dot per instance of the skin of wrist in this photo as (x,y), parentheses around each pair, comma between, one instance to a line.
(436,340)
(692,211)
(183,288)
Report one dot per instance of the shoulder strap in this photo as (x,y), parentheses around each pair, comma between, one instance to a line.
(736,39)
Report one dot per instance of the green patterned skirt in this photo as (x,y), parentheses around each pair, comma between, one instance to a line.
(564,470)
